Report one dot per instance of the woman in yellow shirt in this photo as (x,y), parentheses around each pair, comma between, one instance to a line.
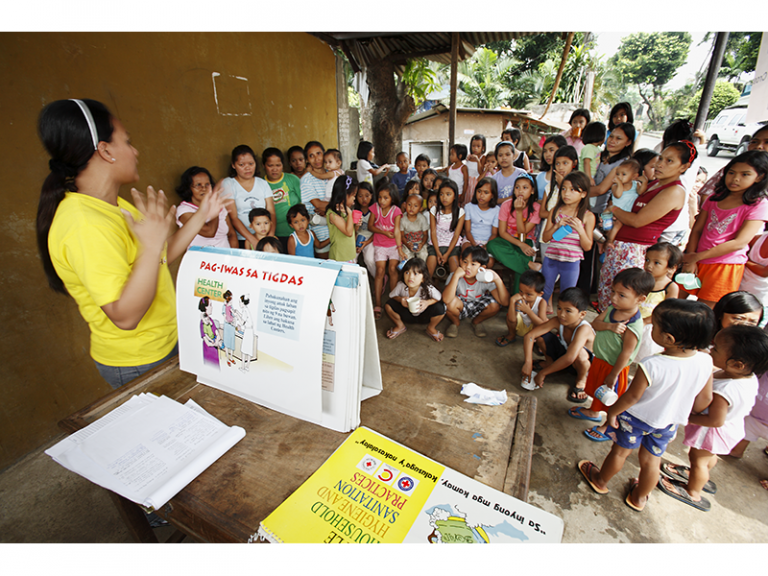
(109,255)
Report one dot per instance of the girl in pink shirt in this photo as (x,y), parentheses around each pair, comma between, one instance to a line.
(729,219)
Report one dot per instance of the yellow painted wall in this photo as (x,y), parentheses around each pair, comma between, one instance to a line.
(273,89)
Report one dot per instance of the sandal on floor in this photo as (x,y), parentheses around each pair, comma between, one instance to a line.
(377,312)
(437,336)
(633,483)
(586,467)
(680,474)
(595,435)
(573,395)
(678,492)
(505,340)
(579,415)
(392,333)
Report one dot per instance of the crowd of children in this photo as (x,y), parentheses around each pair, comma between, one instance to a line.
(594,200)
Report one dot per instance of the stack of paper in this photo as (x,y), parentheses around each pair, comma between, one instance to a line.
(148,449)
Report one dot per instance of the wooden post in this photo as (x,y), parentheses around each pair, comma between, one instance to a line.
(454,86)
(709,84)
(567,49)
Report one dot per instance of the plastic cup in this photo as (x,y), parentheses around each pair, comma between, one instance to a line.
(357,215)
(607,219)
(529,384)
(688,280)
(606,395)
(360,240)
(414,303)
(485,275)
(317,220)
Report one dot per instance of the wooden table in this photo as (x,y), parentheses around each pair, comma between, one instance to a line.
(421,410)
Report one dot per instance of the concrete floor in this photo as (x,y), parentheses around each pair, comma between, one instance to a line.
(43,502)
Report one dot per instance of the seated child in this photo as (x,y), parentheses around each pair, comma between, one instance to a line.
(269,244)
(664,391)
(261,223)
(661,262)
(421,164)
(617,337)
(739,352)
(302,241)
(404,173)
(626,186)
(490,167)
(527,309)
(414,229)
(466,296)
(415,281)
(570,347)
(332,165)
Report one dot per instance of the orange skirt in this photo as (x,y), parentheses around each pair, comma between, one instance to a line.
(717,280)
(597,373)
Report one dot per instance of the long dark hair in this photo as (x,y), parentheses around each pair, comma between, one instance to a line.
(238,151)
(184,189)
(448,183)
(758,160)
(567,152)
(557,139)
(420,266)
(626,152)
(580,183)
(341,187)
(65,133)
(621,106)
(532,199)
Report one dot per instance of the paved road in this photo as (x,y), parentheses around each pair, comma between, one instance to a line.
(712,165)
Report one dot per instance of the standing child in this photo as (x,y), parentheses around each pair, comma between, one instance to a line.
(414,229)
(740,352)
(341,225)
(527,308)
(661,262)
(570,347)
(386,241)
(569,233)
(475,165)
(366,170)
(521,158)
(466,296)
(579,120)
(404,173)
(547,164)
(517,228)
(617,337)
(302,241)
(261,224)
(729,219)
(755,278)
(664,391)
(593,138)
(481,224)
(457,171)
(507,174)
(415,281)
(446,223)
(364,240)
(565,161)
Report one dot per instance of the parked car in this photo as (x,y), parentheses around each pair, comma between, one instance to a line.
(729,132)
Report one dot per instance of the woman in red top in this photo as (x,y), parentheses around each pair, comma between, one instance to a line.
(652,212)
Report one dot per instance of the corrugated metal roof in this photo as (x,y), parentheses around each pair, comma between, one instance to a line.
(365,48)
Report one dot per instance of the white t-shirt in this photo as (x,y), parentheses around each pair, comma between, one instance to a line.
(401,291)
(246,201)
(443,226)
(363,174)
(740,394)
(673,384)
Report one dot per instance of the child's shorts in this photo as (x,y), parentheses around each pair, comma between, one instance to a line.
(522,328)
(555,348)
(384,253)
(717,280)
(755,429)
(473,307)
(714,440)
(633,433)
(455,252)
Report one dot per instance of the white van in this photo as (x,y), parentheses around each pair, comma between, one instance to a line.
(729,132)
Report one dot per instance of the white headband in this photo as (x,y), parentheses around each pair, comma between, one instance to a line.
(89,121)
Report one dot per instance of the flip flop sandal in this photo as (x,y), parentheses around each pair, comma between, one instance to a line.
(577,413)
(586,467)
(680,474)
(392,334)
(681,494)
(437,336)
(633,483)
(600,436)
(573,395)
(504,341)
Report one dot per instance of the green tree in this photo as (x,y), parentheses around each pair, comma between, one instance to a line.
(723,95)
(741,53)
(650,60)
(480,79)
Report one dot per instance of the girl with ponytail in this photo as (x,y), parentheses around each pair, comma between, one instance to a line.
(109,255)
